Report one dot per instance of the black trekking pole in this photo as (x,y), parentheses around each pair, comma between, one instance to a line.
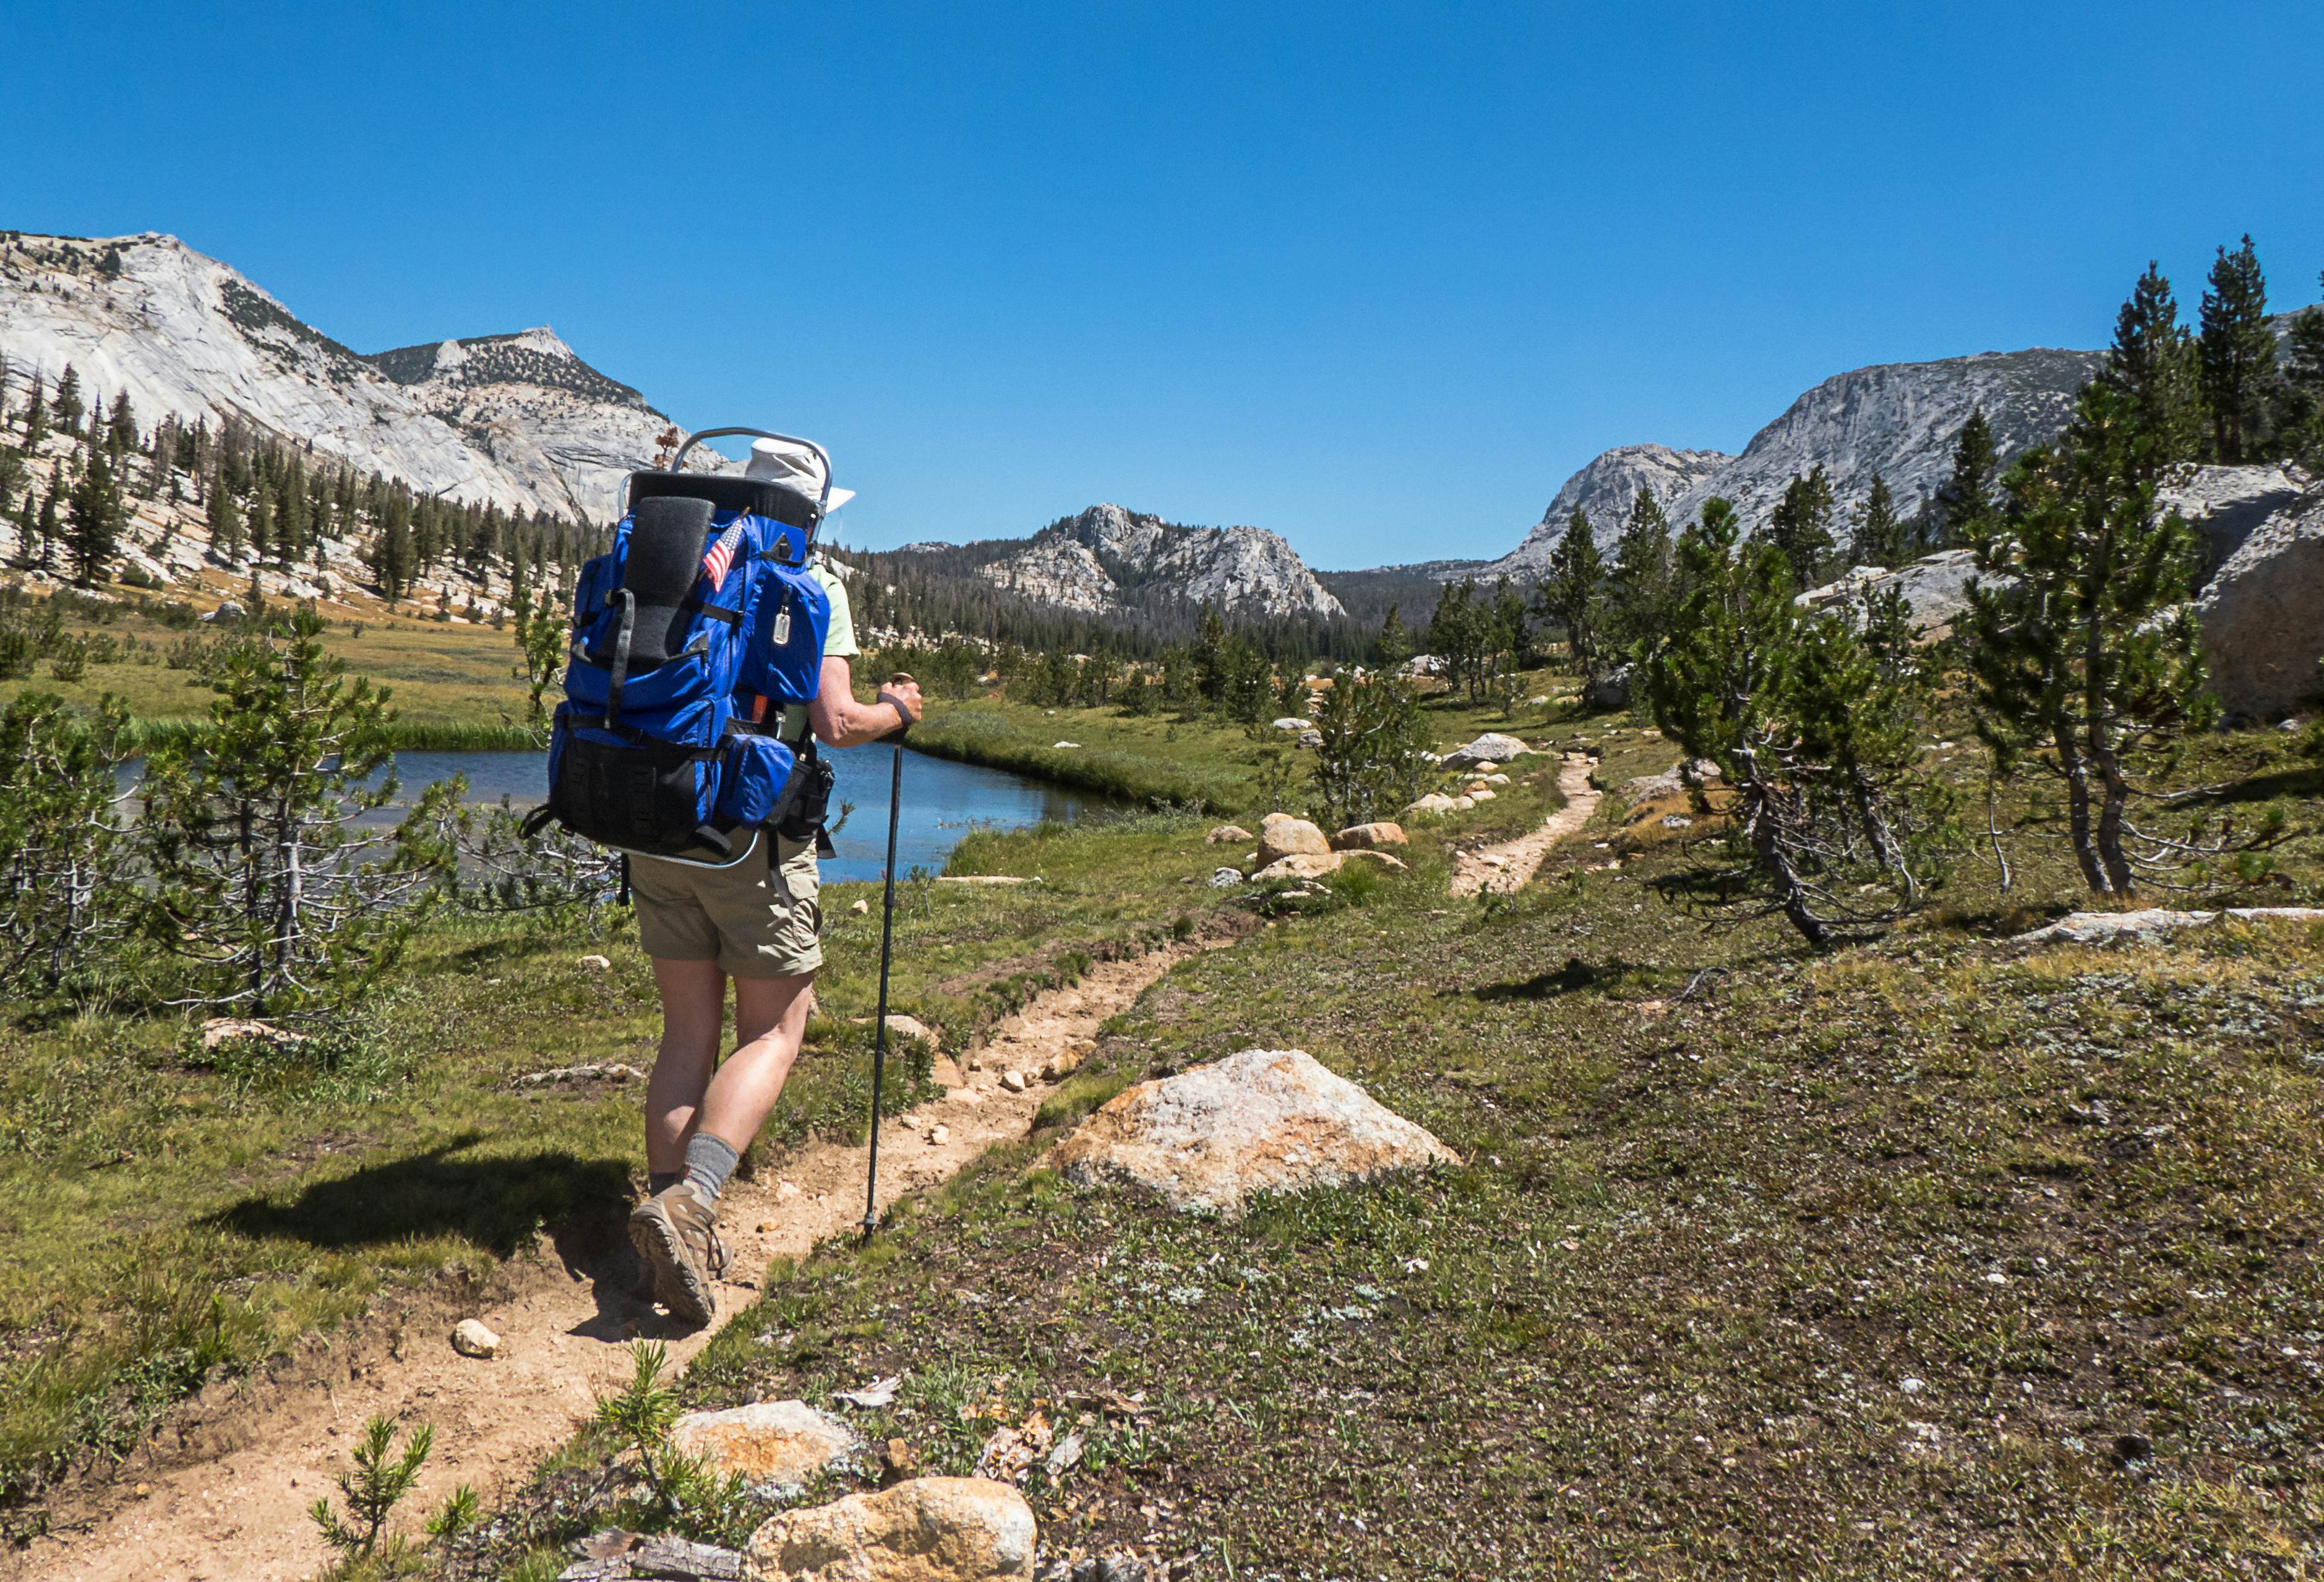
(886,947)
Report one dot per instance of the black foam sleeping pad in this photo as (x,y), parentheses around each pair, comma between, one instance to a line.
(667,543)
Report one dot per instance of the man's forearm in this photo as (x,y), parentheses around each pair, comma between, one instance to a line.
(852,724)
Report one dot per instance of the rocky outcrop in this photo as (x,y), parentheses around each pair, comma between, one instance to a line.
(924,1530)
(1935,589)
(516,420)
(2228,504)
(1605,490)
(2262,616)
(1209,1139)
(779,1442)
(1108,560)
(1605,694)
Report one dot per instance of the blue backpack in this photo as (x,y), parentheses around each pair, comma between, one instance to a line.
(697,641)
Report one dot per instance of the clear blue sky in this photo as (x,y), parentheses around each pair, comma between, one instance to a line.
(1377,277)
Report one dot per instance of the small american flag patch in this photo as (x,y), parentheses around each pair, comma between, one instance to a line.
(721,557)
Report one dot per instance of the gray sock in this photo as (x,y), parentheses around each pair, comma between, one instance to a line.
(708,1163)
(662,1180)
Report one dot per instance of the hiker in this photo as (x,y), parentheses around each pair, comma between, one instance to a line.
(757,921)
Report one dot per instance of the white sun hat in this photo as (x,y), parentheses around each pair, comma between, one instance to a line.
(794,467)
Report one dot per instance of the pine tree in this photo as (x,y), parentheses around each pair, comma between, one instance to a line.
(2154,364)
(48,531)
(1811,731)
(2304,382)
(1393,646)
(120,434)
(97,512)
(2238,352)
(1574,594)
(36,416)
(1879,536)
(225,519)
(1638,588)
(2082,654)
(1800,527)
(67,403)
(1965,500)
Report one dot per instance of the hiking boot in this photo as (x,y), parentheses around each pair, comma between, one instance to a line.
(677,1234)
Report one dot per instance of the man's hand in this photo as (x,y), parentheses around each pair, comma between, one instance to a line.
(904,694)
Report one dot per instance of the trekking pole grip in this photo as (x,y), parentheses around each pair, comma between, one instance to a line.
(903,724)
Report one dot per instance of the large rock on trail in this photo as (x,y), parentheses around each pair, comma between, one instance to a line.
(1260,1121)
(924,1530)
(1282,835)
(1492,747)
(781,1442)
(2262,616)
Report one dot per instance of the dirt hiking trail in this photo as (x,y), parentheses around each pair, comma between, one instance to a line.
(238,1515)
(1507,866)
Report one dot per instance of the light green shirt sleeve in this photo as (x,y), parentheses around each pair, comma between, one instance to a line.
(839,639)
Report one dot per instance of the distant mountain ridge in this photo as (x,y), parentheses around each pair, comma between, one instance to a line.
(1107,561)
(517,421)
(1895,421)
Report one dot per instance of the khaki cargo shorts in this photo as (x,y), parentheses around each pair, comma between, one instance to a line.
(751,922)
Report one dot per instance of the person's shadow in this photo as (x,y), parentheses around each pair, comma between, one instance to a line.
(495,1203)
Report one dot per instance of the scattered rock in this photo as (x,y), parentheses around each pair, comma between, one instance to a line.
(1609,692)
(1260,1121)
(901,1026)
(571,1075)
(922,1530)
(615,1555)
(1434,802)
(1306,865)
(779,1442)
(1492,747)
(1062,1064)
(1497,780)
(878,1393)
(785,1190)
(1463,803)
(471,1338)
(938,1135)
(1117,1567)
(1010,1451)
(1062,746)
(1014,1081)
(1363,836)
(1483,793)
(1670,782)
(1291,723)
(221,1030)
(1225,878)
(1281,836)
(861,908)
(596,963)
(2099,928)
(1311,738)
(1228,835)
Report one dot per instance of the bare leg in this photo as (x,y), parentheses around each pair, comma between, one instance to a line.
(770,1019)
(693,1003)
(690,1089)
